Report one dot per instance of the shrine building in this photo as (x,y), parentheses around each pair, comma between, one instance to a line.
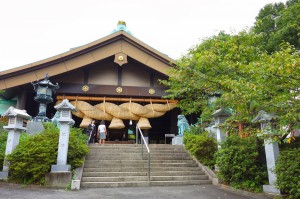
(115,78)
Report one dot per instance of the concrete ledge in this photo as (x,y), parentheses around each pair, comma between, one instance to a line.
(75,184)
(271,189)
(14,185)
(60,168)
(58,179)
(243,192)
(3,174)
(76,180)
(211,175)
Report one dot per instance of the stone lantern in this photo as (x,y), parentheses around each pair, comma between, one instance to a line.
(15,126)
(65,120)
(44,90)
(220,116)
(271,149)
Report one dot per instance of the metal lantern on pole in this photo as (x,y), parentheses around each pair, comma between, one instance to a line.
(44,90)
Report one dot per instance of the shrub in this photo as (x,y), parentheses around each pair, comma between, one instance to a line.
(2,124)
(3,139)
(33,157)
(288,172)
(201,144)
(240,163)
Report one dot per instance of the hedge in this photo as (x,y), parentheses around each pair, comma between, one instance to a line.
(34,155)
(201,144)
(242,164)
(288,172)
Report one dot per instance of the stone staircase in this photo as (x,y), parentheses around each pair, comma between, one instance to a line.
(113,165)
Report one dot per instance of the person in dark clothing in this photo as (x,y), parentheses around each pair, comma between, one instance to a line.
(92,131)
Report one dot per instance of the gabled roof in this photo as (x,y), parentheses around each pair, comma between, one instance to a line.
(118,42)
(65,104)
(11,111)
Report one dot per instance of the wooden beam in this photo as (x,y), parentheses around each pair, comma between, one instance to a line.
(113,99)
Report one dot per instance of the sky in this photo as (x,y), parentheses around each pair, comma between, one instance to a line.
(32,30)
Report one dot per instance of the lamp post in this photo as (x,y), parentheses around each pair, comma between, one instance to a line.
(44,90)
(271,149)
(14,127)
(220,117)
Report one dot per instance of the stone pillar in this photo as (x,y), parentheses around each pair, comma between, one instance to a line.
(220,116)
(271,150)
(60,174)
(63,145)
(14,127)
(65,122)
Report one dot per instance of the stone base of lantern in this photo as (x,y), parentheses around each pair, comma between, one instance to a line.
(41,119)
(3,174)
(34,127)
(60,168)
(58,179)
(271,189)
(178,140)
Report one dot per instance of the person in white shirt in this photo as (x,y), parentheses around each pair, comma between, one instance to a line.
(102,132)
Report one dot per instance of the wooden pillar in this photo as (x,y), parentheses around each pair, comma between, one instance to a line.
(21,99)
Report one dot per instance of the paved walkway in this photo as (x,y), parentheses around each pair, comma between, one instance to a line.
(171,192)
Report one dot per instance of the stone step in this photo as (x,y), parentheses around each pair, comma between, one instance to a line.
(113,184)
(180,183)
(162,147)
(119,142)
(142,173)
(139,161)
(114,153)
(114,179)
(143,178)
(113,165)
(142,183)
(136,145)
(123,164)
(134,148)
(127,157)
(140,169)
(113,174)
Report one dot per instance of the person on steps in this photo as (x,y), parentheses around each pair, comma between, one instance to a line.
(102,132)
(91,131)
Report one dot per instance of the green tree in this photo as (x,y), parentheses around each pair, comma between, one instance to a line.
(279,23)
(248,78)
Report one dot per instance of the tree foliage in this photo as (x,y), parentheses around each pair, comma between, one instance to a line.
(279,23)
(248,78)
